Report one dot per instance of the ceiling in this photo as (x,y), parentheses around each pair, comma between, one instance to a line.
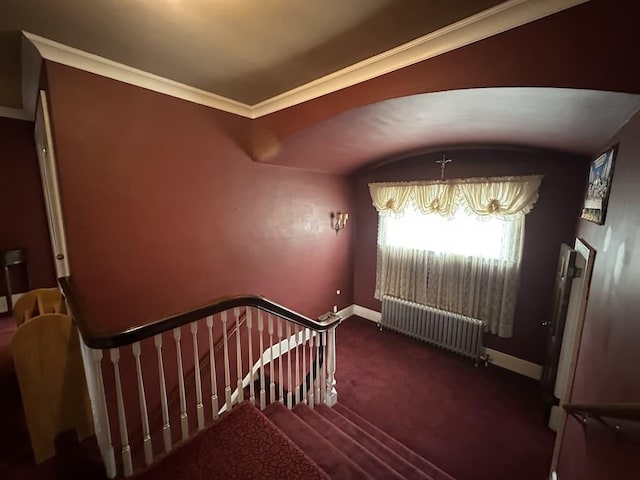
(571,120)
(244,50)
(245,56)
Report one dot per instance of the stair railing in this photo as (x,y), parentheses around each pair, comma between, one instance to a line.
(610,415)
(272,344)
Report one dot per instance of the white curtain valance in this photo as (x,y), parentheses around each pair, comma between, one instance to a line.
(501,197)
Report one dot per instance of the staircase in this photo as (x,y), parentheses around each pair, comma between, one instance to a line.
(164,410)
(299,443)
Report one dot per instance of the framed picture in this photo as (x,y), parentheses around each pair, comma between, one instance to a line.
(597,196)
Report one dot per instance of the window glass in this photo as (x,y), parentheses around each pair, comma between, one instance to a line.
(463,234)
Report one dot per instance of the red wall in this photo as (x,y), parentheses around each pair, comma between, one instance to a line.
(551,222)
(607,370)
(22,210)
(164,211)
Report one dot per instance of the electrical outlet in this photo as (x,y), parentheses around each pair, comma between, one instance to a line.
(335,309)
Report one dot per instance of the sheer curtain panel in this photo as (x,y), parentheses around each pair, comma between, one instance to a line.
(455,245)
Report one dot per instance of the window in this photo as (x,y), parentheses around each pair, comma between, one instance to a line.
(462,234)
(454,245)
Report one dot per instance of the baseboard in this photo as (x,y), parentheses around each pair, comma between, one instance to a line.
(346,312)
(515,364)
(499,359)
(367,313)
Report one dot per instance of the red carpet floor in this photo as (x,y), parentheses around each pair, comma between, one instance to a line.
(474,423)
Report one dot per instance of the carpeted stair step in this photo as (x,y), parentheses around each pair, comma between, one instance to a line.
(374,466)
(242,444)
(409,455)
(335,463)
(373,445)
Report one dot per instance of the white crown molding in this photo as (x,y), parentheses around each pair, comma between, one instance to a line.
(15,113)
(72,57)
(495,20)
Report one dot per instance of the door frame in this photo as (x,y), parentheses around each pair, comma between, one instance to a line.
(585,251)
(50,186)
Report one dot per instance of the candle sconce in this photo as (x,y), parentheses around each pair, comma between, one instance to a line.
(339,221)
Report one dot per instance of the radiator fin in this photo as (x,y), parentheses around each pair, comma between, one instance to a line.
(447,330)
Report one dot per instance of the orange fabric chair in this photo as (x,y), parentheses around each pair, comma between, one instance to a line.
(48,364)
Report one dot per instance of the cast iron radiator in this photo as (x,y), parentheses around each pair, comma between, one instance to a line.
(447,330)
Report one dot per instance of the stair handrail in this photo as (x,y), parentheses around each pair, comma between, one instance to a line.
(599,411)
(104,340)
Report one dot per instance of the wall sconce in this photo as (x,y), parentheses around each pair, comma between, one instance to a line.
(339,221)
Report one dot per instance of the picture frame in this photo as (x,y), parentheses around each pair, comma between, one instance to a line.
(599,187)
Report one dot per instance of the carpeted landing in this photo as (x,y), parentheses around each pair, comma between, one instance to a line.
(294,444)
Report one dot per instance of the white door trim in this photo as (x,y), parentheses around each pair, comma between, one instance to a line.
(51,190)
(587,253)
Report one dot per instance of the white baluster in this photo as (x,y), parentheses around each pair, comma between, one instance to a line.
(227,374)
(252,393)
(304,365)
(272,384)
(184,419)
(212,367)
(289,379)
(323,370)
(332,393)
(280,353)
(262,390)
(318,368)
(104,436)
(311,394)
(196,373)
(297,329)
(236,312)
(144,417)
(124,435)
(166,427)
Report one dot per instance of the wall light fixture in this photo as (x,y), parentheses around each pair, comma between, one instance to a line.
(339,221)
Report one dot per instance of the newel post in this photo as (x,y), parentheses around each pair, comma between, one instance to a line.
(92,360)
(331,397)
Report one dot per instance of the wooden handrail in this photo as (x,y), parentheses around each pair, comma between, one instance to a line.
(621,411)
(97,339)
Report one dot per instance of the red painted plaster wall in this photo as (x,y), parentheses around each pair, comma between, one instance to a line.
(609,357)
(164,211)
(23,221)
(551,222)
